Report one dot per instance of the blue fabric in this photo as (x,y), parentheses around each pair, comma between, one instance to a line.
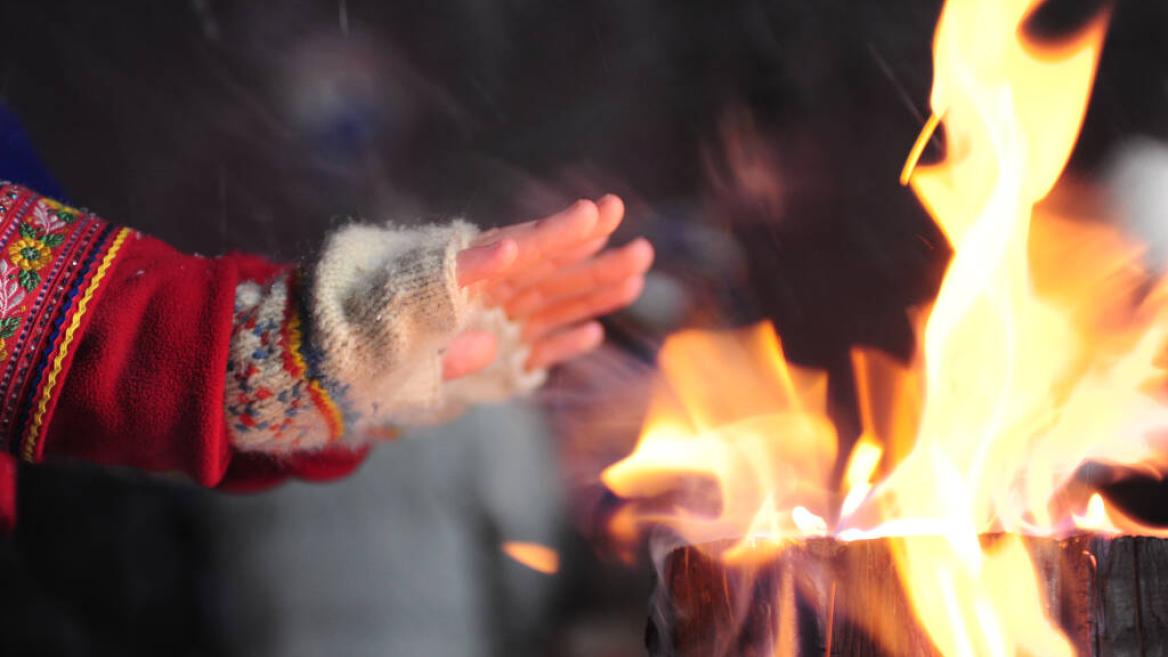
(19,162)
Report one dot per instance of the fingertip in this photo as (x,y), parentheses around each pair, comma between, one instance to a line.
(570,226)
(585,205)
(612,210)
(506,252)
(589,215)
(565,345)
(643,253)
(611,202)
(593,334)
(498,256)
(486,260)
(633,288)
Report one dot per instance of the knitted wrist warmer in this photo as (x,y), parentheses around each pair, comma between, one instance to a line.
(505,378)
(379,308)
(273,402)
(385,303)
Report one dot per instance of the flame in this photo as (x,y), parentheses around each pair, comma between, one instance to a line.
(1040,354)
(862,464)
(699,437)
(1013,391)
(539,558)
(1095,518)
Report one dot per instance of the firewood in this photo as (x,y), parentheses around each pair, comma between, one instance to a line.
(819,597)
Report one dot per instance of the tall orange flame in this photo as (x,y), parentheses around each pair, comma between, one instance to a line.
(1038,355)
(1011,407)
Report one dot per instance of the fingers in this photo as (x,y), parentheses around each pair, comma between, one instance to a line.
(548,274)
(563,229)
(530,271)
(576,232)
(516,281)
(468,353)
(548,236)
(593,304)
(480,263)
(565,345)
(583,250)
(610,268)
(611,210)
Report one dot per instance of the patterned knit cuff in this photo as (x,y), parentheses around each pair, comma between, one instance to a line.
(277,400)
(356,344)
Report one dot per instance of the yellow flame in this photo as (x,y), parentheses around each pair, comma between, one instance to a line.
(1011,412)
(1095,519)
(539,558)
(1039,354)
(858,476)
(710,441)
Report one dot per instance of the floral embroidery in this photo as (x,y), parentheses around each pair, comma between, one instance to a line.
(11,297)
(20,273)
(67,214)
(43,243)
(29,255)
(41,234)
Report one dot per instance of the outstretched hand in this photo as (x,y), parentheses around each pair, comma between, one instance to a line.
(553,276)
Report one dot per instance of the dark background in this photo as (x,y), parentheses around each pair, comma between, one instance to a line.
(218,125)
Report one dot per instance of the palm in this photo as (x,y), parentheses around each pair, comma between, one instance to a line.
(555,277)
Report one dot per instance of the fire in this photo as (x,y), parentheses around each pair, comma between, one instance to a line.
(1039,355)
(1095,518)
(535,556)
(713,423)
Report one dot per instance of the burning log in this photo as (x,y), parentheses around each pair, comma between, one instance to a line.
(1031,364)
(824,597)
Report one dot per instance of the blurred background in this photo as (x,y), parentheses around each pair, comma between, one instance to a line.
(756,142)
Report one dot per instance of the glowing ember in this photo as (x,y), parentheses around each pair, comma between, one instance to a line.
(1037,356)
(539,558)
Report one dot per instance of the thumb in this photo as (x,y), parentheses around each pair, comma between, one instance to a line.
(468,353)
(479,263)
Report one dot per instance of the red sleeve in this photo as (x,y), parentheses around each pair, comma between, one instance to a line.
(7,493)
(120,352)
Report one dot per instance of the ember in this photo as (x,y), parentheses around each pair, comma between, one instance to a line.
(1037,357)
(539,558)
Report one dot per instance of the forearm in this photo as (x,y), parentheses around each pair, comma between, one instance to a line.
(350,346)
(113,346)
(120,350)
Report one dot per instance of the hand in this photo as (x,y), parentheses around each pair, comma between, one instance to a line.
(555,277)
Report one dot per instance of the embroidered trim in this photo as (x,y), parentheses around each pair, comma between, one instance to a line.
(32,347)
(31,441)
(19,273)
(48,251)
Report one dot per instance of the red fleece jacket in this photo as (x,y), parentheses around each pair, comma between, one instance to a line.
(113,350)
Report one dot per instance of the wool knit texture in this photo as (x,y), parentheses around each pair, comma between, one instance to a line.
(503,379)
(269,402)
(381,305)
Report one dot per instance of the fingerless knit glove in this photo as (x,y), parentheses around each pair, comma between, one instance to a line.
(352,344)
